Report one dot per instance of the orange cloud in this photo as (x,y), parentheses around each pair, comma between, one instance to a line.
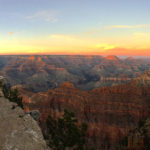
(127,52)
(135,44)
(10,33)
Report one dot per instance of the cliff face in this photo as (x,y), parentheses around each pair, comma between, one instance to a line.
(17,130)
(110,112)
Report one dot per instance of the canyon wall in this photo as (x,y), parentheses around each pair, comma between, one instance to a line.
(110,112)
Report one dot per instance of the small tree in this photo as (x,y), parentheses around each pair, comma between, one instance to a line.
(12,94)
(65,133)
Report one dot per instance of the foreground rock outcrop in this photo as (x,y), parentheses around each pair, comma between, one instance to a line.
(18,131)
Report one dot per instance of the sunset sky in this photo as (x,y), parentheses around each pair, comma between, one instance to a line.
(97,27)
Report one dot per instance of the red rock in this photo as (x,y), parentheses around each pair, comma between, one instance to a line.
(110,112)
(31,58)
(112,57)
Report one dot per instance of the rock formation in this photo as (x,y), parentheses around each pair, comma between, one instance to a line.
(18,131)
(110,112)
(112,57)
(40,73)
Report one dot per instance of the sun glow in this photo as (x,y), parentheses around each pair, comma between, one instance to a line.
(136,44)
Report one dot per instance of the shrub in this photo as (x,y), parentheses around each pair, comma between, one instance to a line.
(12,94)
(65,133)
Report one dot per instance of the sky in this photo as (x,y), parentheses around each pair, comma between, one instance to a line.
(84,27)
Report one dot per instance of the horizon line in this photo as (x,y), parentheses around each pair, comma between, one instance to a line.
(35,54)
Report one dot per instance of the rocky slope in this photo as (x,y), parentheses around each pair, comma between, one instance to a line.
(110,112)
(18,131)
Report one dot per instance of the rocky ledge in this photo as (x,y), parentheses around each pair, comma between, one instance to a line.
(18,131)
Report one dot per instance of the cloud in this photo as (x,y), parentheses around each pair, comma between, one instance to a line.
(10,33)
(105,46)
(135,44)
(128,26)
(59,36)
(128,51)
(48,16)
(74,43)
(140,34)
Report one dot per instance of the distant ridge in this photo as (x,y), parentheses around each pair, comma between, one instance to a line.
(112,57)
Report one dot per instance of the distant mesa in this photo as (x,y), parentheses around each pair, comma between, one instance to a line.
(39,59)
(130,58)
(36,60)
(112,57)
(31,58)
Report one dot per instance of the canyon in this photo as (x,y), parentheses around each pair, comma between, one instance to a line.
(41,73)
(110,94)
(110,112)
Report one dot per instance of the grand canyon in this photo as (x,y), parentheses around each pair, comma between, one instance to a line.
(110,94)
(74,75)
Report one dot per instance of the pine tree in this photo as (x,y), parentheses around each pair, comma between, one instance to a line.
(65,133)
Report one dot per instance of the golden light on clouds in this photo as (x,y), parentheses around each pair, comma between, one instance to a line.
(10,33)
(135,44)
(105,46)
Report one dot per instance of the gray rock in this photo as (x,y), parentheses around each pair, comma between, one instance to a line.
(35,114)
(18,131)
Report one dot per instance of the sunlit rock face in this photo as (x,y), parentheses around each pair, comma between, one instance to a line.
(112,57)
(17,130)
(110,112)
(31,58)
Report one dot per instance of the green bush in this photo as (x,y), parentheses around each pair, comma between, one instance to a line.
(65,133)
(12,94)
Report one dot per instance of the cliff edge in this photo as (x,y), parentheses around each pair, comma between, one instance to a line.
(18,131)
